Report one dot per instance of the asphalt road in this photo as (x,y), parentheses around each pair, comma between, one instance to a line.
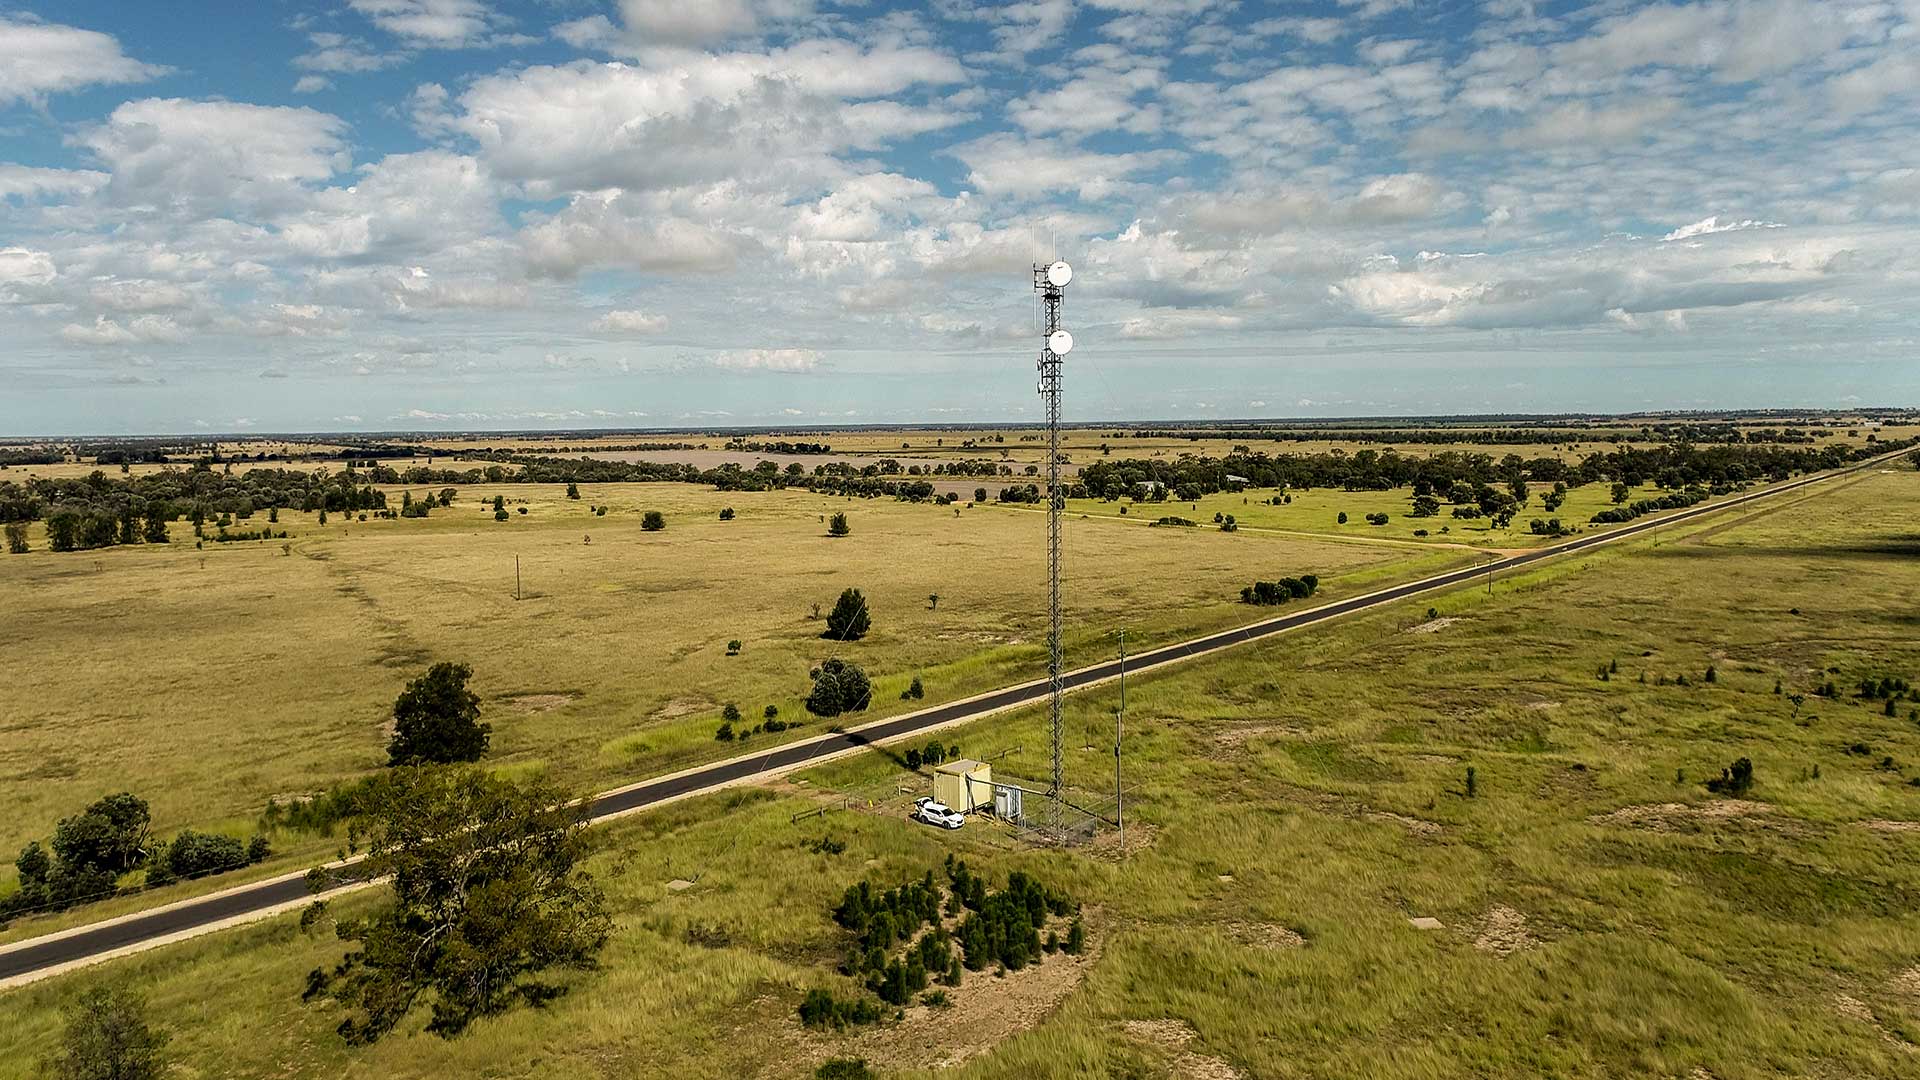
(34,955)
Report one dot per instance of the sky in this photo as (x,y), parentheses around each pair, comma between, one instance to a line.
(379,215)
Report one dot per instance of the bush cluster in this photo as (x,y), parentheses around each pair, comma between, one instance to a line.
(839,687)
(1004,927)
(1676,500)
(91,850)
(1271,593)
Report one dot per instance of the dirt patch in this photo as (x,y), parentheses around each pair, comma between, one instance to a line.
(1236,738)
(538,703)
(1854,1009)
(1106,843)
(1504,933)
(1266,935)
(1411,824)
(1176,1036)
(1892,826)
(984,1011)
(1908,982)
(1666,817)
(1337,804)
(1434,626)
(679,707)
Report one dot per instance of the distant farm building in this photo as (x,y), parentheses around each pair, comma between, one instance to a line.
(1236,483)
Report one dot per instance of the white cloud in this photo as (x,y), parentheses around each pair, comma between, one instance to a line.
(27,182)
(201,157)
(790,361)
(630,322)
(1710,225)
(442,24)
(140,330)
(40,58)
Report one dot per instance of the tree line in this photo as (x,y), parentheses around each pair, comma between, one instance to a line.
(1674,467)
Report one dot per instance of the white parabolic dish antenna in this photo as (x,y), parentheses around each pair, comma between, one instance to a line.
(1060,343)
(1058,274)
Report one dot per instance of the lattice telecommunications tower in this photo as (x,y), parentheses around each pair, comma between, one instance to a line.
(1050,281)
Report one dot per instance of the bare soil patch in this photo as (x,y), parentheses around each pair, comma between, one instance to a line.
(1266,935)
(1854,1009)
(1434,626)
(1892,826)
(1175,1036)
(538,703)
(1504,933)
(1237,737)
(1666,817)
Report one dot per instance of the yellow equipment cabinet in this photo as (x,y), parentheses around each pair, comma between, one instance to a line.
(964,785)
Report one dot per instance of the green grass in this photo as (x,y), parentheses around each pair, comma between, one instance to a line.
(1312,782)
(208,680)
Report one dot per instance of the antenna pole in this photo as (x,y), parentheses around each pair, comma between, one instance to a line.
(1051,298)
(1119,806)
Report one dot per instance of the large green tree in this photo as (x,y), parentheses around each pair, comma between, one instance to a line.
(849,620)
(437,719)
(487,899)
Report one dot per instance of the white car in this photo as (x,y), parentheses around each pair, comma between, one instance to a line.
(933,813)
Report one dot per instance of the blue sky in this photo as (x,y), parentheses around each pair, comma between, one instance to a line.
(388,214)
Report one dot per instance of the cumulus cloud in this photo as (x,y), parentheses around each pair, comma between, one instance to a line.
(630,322)
(139,330)
(205,157)
(789,361)
(41,58)
(1710,225)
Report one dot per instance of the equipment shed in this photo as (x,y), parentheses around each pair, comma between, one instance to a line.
(964,785)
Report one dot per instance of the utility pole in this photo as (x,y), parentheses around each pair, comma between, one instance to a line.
(1490,561)
(516,577)
(1119,807)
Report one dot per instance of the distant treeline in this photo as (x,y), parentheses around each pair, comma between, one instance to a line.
(196,493)
(1674,467)
(1549,435)
(780,447)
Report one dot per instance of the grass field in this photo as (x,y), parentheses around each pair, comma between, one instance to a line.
(1292,806)
(208,680)
(1318,511)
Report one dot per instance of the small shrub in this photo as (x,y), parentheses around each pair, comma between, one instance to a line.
(1735,780)
(724,733)
(653,521)
(1342,519)
(733,647)
(845,1069)
(726,514)
(837,525)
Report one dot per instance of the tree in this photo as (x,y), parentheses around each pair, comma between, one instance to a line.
(1620,492)
(487,895)
(979,494)
(17,537)
(573,490)
(653,521)
(837,526)
(110,835)
(849,619)
(726,514)
(839,687)
(107,1038)
(436,719)
(731,714)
